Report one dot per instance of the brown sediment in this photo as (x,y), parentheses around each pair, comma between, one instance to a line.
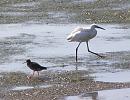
(63,84)
(62,11)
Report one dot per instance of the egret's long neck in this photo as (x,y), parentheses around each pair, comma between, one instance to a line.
(93,27)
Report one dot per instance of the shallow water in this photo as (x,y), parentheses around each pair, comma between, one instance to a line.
(121,76)
(47,45)
(117,94)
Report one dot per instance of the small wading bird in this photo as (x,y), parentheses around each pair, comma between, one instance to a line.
(35,67)
(83,35)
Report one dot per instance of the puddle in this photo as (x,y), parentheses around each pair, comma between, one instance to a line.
(117,94)
(87,96)
(30,4)
(13,13)
(45,86)
(22,88)
(31,87)
(76,98)
(121,76)
(86,1)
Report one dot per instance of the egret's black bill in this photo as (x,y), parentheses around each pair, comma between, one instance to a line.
(100,28)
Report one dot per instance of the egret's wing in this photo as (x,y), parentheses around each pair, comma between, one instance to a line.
(80,36)
(74,32)
(77,36)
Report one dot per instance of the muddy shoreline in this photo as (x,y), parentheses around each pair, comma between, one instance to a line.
(61,85)
(62,11)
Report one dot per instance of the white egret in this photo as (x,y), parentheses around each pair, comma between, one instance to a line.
(80,35)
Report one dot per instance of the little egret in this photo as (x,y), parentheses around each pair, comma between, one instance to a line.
(35,67)
(80,35)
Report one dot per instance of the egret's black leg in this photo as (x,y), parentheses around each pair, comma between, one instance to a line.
(38,73)
(93,52)
(33,73)
(77,50)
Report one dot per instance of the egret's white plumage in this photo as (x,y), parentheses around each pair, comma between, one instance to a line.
(80,35)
